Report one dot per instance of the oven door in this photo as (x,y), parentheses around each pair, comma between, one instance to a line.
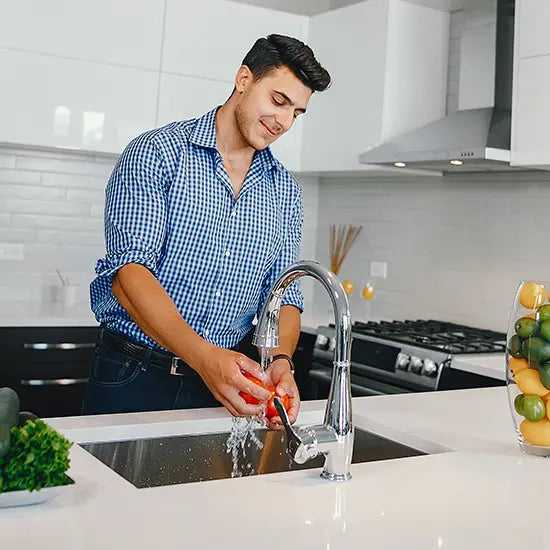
(320,377)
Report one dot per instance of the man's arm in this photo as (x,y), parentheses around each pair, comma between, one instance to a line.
(149,305)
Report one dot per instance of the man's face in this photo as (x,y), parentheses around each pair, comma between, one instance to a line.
(267,108)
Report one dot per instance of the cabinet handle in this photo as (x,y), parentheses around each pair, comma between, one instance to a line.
(68,345)
(58,382)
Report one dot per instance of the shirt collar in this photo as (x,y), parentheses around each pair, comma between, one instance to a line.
(204,135)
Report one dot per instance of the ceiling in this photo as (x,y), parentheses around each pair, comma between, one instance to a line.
(314,7)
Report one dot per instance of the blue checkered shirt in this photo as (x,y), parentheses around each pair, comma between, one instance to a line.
(170,206)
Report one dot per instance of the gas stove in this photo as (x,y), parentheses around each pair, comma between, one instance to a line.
(404,356)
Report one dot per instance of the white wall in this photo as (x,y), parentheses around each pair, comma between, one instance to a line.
(456,246)
(52,204)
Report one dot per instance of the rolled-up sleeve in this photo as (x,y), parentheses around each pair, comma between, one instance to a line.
(135,209)
(289,254)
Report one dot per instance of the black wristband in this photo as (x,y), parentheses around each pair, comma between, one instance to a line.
(283,356)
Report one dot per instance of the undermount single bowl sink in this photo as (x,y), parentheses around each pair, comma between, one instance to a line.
(189,458)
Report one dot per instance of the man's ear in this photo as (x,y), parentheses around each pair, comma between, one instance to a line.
(243,78)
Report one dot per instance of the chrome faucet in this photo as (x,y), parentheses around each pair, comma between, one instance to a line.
(333,438)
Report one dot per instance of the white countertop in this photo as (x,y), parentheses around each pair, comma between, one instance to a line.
(486,494)
(492,365)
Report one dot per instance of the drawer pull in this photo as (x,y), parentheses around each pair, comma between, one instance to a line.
(67,345)
(58,382)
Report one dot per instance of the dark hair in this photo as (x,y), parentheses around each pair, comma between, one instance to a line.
(277,50)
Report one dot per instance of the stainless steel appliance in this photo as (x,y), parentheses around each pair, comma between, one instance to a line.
(404,356)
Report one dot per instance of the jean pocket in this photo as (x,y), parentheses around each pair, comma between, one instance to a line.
(114,369)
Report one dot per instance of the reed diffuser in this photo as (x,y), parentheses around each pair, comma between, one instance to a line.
(341,239)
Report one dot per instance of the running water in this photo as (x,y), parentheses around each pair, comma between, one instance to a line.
(243,433)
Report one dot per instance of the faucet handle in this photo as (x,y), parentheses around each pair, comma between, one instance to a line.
(293,441)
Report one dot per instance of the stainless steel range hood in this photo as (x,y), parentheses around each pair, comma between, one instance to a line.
(467,140)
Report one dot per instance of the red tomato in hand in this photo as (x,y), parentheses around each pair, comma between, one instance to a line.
(271,411)
(246,396)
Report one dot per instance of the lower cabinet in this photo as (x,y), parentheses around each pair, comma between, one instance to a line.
(48,367)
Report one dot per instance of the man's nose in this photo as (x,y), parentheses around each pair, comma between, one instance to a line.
(285,120)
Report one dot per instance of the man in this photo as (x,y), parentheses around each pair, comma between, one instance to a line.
(200,220)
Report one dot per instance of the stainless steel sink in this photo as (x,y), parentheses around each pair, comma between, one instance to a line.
(190,458)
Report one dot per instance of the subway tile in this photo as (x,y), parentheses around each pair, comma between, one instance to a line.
(43,207)
(18,176)
(74,181)
(31,192)
(7,161)
(17,235)
(56,222)
(69,237)
(64,166)
(96,211)
(87,196)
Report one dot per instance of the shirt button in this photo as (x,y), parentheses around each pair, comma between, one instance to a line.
(218,294)
(234,213)
(206,332)
(227,253)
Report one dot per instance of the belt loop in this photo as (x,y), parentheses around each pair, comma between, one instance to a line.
(146,359)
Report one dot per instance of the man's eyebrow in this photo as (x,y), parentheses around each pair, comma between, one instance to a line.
(303,109)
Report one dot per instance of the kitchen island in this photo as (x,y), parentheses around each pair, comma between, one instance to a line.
(474,489)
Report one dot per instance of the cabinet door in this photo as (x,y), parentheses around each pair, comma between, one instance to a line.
(183,97)
(346,119)
(123,32)
(530,112)
(59,102)
(533,20)
(209,39)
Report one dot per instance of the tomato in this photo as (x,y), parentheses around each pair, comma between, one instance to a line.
(271,411)
(246,396)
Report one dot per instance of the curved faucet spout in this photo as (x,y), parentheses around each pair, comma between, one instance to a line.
(334,438)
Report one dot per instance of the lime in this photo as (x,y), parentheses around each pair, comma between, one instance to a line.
(526,327)
(514,346)
(536,350)
(544,374)
(545,330)
(533,408)
(518,403)
(543,312)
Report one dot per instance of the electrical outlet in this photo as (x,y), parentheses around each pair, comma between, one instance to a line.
(12,252)
(379,269)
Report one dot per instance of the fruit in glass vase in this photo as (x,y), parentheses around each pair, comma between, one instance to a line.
(533,408)
(514,346)
(529,383)
(368,292)
(544,374)
(536,433)
(518,403)
(532,295)
(545,330)
(543,313)
(526,327)
(517,364)
(536,350)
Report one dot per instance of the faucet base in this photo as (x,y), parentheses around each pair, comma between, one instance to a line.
(335,477)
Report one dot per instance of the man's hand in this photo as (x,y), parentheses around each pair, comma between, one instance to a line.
(221,371)
(279,375)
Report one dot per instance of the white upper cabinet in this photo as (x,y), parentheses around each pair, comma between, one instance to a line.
(57,102)
(210,38)
(530,108)
(533,37)
(388,62)
(122,32)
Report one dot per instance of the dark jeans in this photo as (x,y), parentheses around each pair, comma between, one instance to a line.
(119,383)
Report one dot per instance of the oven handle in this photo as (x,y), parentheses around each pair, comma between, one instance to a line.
(65,345)
(361,390)
(58,382)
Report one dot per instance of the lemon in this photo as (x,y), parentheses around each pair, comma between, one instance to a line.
(532,295)
(536,433)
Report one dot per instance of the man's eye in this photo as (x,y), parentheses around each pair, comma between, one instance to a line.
(277,102)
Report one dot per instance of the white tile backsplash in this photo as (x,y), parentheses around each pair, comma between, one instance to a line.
(456,246)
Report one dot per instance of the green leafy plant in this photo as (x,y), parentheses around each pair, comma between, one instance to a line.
(38,457)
